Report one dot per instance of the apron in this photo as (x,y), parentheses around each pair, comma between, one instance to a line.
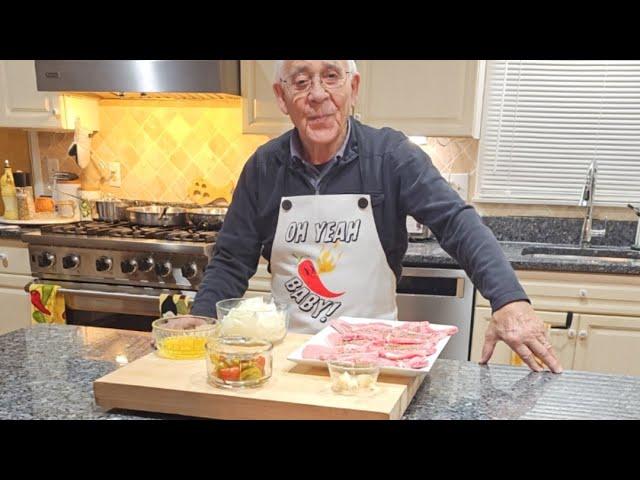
(327,261)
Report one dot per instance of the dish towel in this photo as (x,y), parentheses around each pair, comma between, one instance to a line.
(175,304)
(46,305)
(81,146)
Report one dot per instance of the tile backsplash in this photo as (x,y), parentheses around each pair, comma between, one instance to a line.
(162,148)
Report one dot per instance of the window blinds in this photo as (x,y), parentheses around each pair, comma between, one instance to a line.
(545,121)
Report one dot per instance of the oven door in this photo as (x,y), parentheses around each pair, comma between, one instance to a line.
(111,306)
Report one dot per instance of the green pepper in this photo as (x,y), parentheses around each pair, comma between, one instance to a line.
(251,373)
(38,317)
(47,290)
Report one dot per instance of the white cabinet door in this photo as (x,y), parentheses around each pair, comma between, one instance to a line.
(422,97)
(608,344)
(16,308)
(22,104)
(260,112)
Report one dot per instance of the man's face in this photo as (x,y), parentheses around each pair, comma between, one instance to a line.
(320,113)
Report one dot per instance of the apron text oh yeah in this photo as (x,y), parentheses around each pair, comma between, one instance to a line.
(325,232)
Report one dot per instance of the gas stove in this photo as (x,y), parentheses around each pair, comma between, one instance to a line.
(121,253)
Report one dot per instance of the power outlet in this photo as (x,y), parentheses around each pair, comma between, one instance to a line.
(114,177)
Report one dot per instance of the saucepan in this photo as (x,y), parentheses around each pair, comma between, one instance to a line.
(112,210)
(207,218)
(158,216)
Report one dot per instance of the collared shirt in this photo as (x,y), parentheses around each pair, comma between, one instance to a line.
(315,173)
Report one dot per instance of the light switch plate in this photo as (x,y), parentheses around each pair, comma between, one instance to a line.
(114,177)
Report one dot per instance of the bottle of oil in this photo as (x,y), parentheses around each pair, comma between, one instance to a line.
(8,188)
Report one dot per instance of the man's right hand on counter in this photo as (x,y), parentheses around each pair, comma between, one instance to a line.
(517,325)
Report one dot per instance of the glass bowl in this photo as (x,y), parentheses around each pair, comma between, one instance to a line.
(350,377)
(238,362)
(257,317)
(183,337)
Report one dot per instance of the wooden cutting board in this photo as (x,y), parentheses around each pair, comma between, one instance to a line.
(156,384)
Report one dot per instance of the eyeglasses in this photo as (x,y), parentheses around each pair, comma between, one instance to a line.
(301,83)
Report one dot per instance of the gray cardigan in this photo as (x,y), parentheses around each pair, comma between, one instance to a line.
(401,180)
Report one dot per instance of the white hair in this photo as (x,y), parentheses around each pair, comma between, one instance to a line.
(351,65)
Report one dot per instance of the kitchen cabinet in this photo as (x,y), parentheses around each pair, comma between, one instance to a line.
(595,320)
(418,97)
(437,98)
(15,273)
(260,111)
(23,106)
(608,344)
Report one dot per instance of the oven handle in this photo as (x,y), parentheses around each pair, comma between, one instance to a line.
(115,296)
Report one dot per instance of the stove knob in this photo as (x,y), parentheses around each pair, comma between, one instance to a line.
(129,266)
(189,270)
(163,269)
(104,264)
(70,261)
(146,264)
(46,260)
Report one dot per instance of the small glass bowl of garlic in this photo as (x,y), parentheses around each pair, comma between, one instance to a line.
(351,377)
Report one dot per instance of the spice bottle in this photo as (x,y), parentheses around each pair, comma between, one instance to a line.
(24,194)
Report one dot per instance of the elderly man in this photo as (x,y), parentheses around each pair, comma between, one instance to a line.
(326,205)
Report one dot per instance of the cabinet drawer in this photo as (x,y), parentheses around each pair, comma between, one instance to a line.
(586,293)
(14,258)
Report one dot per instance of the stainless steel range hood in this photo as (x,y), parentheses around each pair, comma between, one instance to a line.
(140,79)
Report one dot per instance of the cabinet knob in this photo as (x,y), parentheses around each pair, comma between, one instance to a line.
(4,259)
(582,334)
(583,292)
(571,333)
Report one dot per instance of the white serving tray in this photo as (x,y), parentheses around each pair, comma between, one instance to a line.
(320,338)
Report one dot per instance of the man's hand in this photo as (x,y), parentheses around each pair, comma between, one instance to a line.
(517,325)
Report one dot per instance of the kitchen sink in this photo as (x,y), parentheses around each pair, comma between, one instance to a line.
(569,252)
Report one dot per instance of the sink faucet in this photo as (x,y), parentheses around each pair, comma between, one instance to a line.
(588,194)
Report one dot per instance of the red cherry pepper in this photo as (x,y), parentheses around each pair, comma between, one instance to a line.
(37,302)
(312,280)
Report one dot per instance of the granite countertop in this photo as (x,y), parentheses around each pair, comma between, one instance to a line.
(430,254)
(47,372)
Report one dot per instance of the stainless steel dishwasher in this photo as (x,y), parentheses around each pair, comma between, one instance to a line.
(439,295)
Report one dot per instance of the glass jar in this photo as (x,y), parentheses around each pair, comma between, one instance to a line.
(238,362)
(26,204)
